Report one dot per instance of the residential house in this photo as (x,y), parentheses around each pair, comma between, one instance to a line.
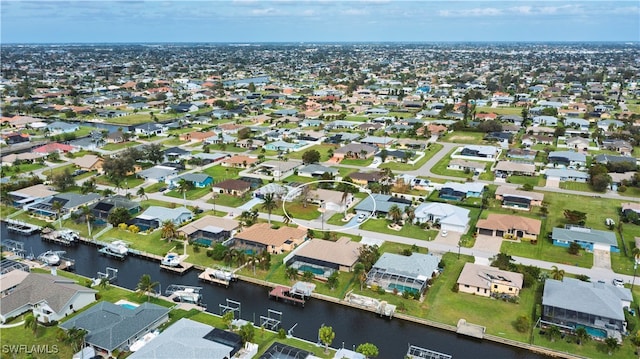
(512,168)
(509,226)
(158,173)
(532,140)
(621,146)
(522,154)
(155,216)
(50,148)
(612,159)
(12,273)
(354,150)
(58,127)
(31,194)
(629,207)
(71,202)
(545,121)
(464,165)
(341,255)
(89,163)
(105,206)
(398,273)
(149,129)
(25,157)
(345,137)
(315,170)
(564,174)
(239,161)
(196,136)
(277,169)
(517,199)
(15,137)
(456,191)
(365,178)
(578,143)
(596,306)
(480,152)
(568,159)
(176,154)
(609,125)
(188,339)
(284,146)
(250,143)
(377,141)
(199,180)
(111,327)
(50,298)
(330,200)
(578,123)
(379,204)
(486,281)
(210,229)
(234,187)
(261,237)
(117,137)
(589,239)
(449,217)
(504,137)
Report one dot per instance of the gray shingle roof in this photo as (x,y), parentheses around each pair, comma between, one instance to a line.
(417,265)
(598,299)
(109,326)
(585,235)
(194,177)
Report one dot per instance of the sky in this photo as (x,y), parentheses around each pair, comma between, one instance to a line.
(246,21)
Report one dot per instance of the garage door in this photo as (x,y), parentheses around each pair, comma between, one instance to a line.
(486,232)
(453,228)
(601,247)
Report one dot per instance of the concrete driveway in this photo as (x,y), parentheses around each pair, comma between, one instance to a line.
(553,183)
(601,259)
(488,243)
(451,239)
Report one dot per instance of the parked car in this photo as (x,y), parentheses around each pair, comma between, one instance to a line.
(162,189)
(444,233)
(361,217)
(618,282)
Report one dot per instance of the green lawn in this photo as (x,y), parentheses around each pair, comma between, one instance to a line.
(466,137)
(510,110)
(173,141)
(428,153)
(154,187)
(226,147)
(229,200)
(59,170)
(20,169)
(440,168)
(220,173)
(150,243)
(128,182)
(408,230)
(296,178)
(577,186)
(119,146)
(294,209)
(357,162)
(521,180)
(323,149)
(191,194)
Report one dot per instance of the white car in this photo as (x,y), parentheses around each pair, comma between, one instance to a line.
(444,233)
(361,217)
(618,282)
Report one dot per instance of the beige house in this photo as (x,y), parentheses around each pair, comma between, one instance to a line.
(331,200)
(483,280)
(239,161)
(517,199)
(509,226)
(210,228)
(341,255)
(89,163)
(261,237)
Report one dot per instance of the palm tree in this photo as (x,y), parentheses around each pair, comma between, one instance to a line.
(58,206)
(582,335)
(104,283)
(269,205)
(360,273)
(307,276)
(612,344)
(292,273)
(31,322)
(145,285)
(183,187)
(410,212)
(169,230)
(636,253)
(88,217)
(241,258)
(75,338)
(141,193)
(557,273)
(396,214)
(553,332)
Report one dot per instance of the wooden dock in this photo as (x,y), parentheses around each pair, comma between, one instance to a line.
(181,268)
(104,251)
(217,276)
(284,293)
(65,238)
(21,227)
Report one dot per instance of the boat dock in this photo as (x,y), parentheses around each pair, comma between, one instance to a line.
(415,352)
(21,227)
(63,237)
(67,264)
(469,329)
(298,294)
(181,268)
(217,276)
(108,253)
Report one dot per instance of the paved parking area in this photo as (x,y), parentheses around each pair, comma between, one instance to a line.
(488,243)
(451,239)
(601,259)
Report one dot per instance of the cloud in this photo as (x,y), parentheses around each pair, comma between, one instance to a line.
(490,11)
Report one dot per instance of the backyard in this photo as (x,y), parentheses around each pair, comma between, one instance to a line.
(428,153)
(323,149)
(220,173)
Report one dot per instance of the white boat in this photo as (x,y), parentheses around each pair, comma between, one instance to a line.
(188,295)
(171,260)
(50,258)
(118,248)
(69,235)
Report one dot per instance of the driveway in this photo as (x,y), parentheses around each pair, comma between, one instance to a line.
(553,183)
(601,259)
(451,239)
(488,243)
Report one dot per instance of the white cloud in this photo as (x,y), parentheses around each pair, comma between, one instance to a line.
(490,11)
(354,12)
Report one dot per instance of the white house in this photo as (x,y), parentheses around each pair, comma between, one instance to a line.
(451,218)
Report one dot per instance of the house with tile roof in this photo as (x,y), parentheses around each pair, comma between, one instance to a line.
(449,217)
(48,297)
(234,187)
(509,226)
(88,163)
(484,281)
(341,255)
(154,216)
(210,228)
(261,237)
(54,147)
(112,327)
(517,199)
(457,191)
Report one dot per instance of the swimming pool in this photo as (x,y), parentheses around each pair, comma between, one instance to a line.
(314,270)
(402,288)
(594,332)
(203,241)
(127,304)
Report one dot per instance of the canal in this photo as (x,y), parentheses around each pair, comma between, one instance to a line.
(352,326)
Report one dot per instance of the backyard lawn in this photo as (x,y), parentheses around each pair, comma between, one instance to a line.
(408,230)
(323,149)
(357,162)
(228,200)
(466,137)
(428,153)
(192,194)
(119,146)
(294,209)
(220,173)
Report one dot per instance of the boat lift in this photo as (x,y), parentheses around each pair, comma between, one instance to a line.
(16,247)
(415,352)
(269,322)
(110,274)
(231,305)
(178,288)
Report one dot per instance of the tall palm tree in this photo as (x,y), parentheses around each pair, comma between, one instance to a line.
(582,335)
(88,217)
(292,273)
(145,285)
(141,193)
(557,273)
(636,253)
(410,212)
(58,206)
(360,273)
(183,187)
(31,322)
(269,205)
(396,213)
(169,230)
(75,338)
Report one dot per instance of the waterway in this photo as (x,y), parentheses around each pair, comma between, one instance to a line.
(352,326)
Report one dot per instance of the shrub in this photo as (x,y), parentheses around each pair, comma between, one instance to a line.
(381,290)
(281,333)
(134,229)
(209,252)
(521,324)
(622,188)
(196,249)
(123,226)
(405,295)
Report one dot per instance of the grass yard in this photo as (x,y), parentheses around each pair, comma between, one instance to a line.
(466,137)
(296,178)
(150,243)
(173,141)
(20,169)
(408,230)
(440,168)
(577,186)
(119,146)
(447,306)
(154,187)
(226,147)
(229,200)
(294,209)
(128,182)
(191,194)
(357,162)
(220,173)
(510,110)
(521,180)
(323,149)
(428,153)
(59,170)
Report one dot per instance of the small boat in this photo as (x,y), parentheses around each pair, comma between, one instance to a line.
(68,235)
(188,295)
(50,258)
(171,260)
(118,248)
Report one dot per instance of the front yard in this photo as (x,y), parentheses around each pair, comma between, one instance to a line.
(408,230)
(428,153)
